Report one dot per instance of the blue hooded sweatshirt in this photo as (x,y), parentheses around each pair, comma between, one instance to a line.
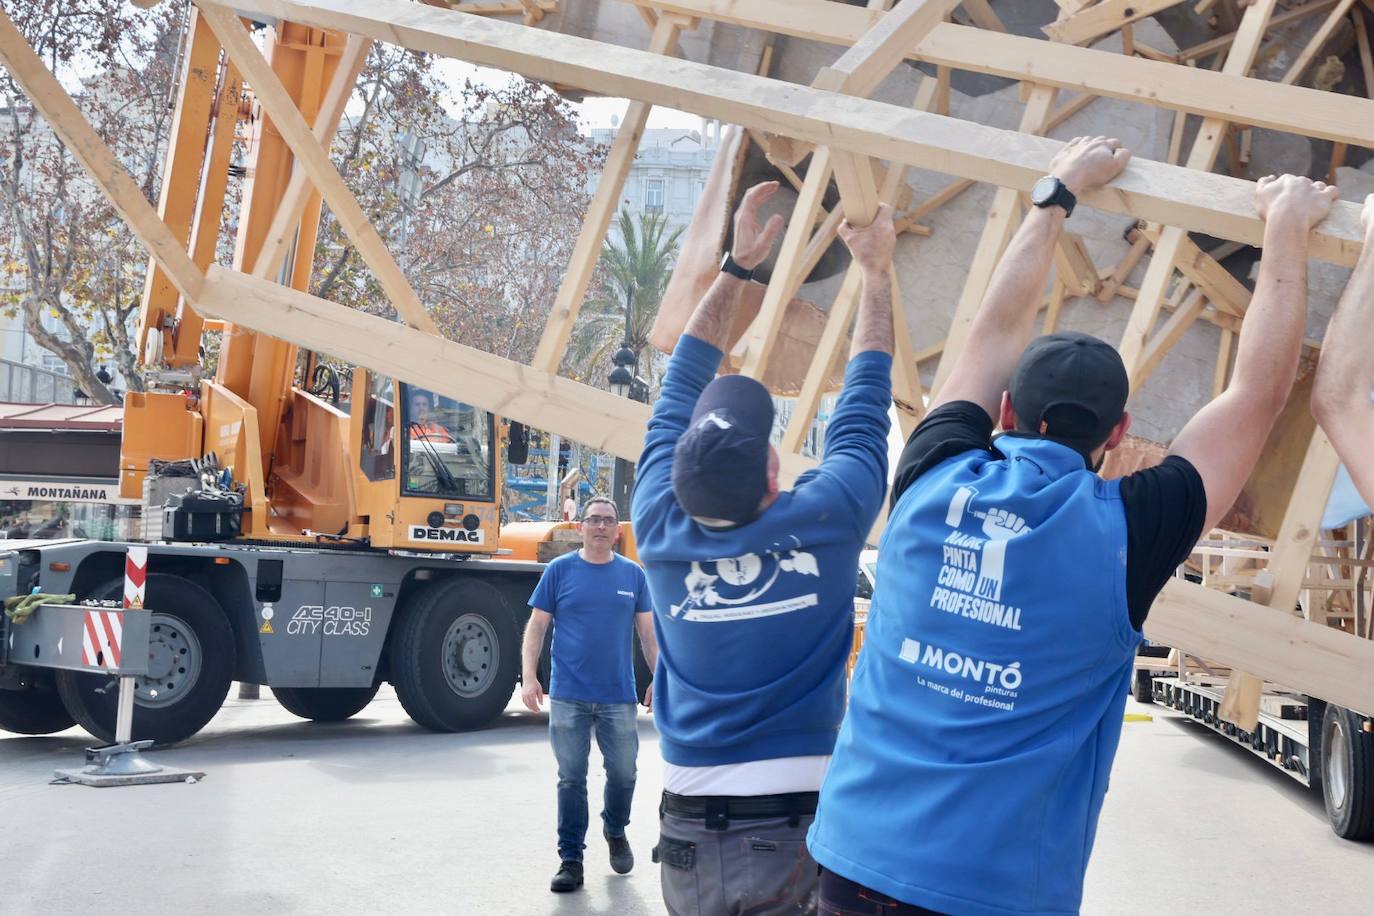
(986,705)
(755,623)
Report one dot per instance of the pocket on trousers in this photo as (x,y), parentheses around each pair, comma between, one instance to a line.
(678,875)
(781,876)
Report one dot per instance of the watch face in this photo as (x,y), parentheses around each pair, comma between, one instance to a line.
(1044,190)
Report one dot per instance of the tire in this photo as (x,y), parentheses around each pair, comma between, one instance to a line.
(36,711)
(455,656)
(325,704)
(192,656)
(1347,774)
(1143,687)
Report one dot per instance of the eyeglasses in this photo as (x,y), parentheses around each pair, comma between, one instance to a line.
(599,521)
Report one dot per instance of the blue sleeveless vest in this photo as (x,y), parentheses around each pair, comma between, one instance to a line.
(986,706)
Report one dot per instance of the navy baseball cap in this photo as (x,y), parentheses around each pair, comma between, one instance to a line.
(1071,388)
(720,464)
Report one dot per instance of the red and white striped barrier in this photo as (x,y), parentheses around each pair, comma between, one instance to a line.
(101,642)
(135,576)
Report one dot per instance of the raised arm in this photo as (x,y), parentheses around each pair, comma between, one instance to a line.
(872,248)
(1345,374)
(698,352)
(1006,317)
(1223,441)
(855,460)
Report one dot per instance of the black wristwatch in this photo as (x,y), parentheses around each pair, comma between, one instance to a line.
(1051,192)
(730,267)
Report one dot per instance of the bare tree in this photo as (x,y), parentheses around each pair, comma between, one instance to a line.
(74,270)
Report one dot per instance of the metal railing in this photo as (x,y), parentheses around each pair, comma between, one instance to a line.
(21,384)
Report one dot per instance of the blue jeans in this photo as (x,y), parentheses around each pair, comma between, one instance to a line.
(571,723)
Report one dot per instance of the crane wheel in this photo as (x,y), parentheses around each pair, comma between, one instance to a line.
(325,704)
(455,655)
(37,711)
(1143,687)
(190,666)
(1347,774)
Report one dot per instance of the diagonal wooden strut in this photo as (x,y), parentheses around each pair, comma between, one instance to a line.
(314,160)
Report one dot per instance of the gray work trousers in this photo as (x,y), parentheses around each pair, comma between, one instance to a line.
(755,867)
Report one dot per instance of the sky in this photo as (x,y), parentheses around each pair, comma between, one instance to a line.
(594,112)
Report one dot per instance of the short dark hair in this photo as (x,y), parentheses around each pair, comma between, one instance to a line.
(605,500)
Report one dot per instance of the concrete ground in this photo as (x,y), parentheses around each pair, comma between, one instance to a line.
(378,816)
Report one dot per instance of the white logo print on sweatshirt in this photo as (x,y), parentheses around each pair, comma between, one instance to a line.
(970,579)
(729,589)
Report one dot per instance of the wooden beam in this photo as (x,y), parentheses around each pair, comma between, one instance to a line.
(1318,41)
(1287,570)
(983,16)
(1221,43)
(1211,136)
(1305,656)
(541,399)
(68,123)
(1162,84)
(869,60)
(1366,60)
(572,289)
(1215,204)
(1172,331)
(313,159)
(1003,218)
(1103,19)
(287,217)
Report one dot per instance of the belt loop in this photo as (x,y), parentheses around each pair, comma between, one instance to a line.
(662,805)
(717,813)
(793,810)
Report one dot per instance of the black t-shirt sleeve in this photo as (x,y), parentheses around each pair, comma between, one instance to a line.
(948,430)
(1165,506)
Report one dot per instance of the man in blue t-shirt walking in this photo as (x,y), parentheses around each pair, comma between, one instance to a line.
(754,589)
(598,599)
(1013,581)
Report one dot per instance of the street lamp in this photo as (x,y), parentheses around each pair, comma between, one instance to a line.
(622,377)
(622,382)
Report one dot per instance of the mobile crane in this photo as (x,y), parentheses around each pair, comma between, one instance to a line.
(332,546)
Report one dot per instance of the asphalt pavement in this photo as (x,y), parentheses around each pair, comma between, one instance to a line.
(379,816)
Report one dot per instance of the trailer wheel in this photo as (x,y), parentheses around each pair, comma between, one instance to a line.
(325,704)
(455,656)
(1143,687)
(1347,774)
(37,711)
(191,664)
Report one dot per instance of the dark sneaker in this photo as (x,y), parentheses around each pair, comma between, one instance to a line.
(622,860)
(569,877)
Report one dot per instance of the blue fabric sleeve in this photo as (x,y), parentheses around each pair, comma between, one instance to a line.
(690,368)
(855,460)
(643,604)
(545,595)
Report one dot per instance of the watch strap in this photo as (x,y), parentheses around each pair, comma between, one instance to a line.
(730,267)
(1062,197)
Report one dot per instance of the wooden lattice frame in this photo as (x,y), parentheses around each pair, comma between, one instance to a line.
(849,131)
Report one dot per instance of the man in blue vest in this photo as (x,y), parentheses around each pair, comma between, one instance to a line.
(753,590)
(1013,581)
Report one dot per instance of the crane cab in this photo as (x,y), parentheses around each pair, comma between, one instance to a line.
(428,475)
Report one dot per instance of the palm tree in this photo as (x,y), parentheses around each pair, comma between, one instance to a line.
(634,271)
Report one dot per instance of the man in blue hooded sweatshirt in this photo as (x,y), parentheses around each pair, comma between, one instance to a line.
(753,590)
(1013,581)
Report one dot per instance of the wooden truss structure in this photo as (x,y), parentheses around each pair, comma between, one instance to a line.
(850,135)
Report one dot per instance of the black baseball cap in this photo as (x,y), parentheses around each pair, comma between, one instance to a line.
(1071,388)
(720,464)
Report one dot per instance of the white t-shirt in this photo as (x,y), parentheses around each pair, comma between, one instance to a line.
(778,776)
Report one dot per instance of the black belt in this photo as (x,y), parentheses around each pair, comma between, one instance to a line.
(718,810)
